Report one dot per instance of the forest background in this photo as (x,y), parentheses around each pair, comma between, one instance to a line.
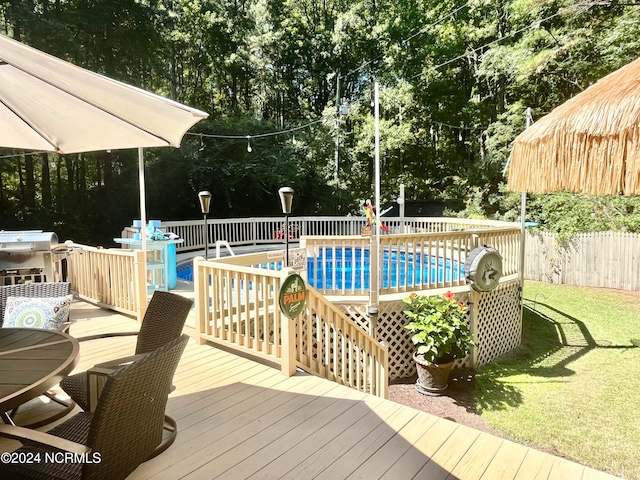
(288,83)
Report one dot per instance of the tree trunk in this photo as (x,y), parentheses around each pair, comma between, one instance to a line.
(20,180)
(58,184)
(47,201)
(70,174)
(30,183)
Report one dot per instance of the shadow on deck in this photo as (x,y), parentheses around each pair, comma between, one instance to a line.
(239,419)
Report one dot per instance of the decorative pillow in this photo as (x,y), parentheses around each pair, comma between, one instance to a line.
(47,312)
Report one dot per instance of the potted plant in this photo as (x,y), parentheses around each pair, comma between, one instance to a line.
(439,328)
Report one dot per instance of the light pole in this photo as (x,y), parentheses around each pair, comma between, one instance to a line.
(205,200)
(400,201)
(286,199)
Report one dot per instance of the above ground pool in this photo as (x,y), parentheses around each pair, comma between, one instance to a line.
(407,269)
(331,270)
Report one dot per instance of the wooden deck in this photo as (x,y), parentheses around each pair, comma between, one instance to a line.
(239,419)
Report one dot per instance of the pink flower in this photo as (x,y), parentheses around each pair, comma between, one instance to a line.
(449,295)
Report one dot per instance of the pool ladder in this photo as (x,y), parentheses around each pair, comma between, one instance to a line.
(225,244)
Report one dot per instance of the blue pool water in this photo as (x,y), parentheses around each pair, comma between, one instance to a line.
(185,272)
(407,269)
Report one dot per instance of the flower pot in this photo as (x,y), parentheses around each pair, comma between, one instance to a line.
(433,378)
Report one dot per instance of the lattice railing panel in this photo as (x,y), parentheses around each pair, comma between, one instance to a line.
(497,329)
(499,322)
(391,331)
(356,312)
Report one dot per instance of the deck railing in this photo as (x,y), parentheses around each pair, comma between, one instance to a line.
(236,297)
(332,346)
(237,306)
(255,231)
(408,262)
(113,278)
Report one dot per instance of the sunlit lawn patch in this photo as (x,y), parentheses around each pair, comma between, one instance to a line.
(574,385)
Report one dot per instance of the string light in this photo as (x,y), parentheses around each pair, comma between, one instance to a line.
(259,135)
(249,149)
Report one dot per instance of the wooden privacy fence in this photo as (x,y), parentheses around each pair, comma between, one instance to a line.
(269,230)
(112,278)
(237,306)
(596,259)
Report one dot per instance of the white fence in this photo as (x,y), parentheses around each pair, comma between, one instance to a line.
(596,259)
(255,231)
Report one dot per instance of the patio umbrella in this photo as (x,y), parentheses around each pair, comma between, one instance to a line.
(589,144)
(49,104)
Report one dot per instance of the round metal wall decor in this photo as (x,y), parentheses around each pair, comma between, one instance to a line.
(483,268)
(292,296)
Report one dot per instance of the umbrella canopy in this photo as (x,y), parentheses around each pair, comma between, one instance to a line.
(589,144)
(49,104)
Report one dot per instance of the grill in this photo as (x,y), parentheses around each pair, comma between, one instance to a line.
(25,256)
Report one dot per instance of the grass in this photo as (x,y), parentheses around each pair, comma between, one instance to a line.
(573,387)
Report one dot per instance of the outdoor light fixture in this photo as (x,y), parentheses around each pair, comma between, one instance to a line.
(249,149)
(286,199)
(205,201)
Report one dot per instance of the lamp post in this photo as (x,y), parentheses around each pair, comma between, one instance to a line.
(205,200)
(286,199)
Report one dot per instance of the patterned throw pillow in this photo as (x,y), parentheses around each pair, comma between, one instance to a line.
(48,312)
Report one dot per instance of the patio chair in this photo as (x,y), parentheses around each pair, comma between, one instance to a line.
(111,442)
(36,290)
(163,321)
(33,290)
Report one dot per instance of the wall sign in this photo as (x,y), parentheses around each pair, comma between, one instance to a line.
(298,259)
(483,268)
(292,296)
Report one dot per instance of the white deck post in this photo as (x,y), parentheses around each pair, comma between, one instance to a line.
(288,339)
(200,299)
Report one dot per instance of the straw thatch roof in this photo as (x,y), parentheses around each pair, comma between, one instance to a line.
(589,144)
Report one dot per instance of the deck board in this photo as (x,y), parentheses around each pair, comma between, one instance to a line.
(506,462)
(232,429)
(478,458)
(320,458)
(239,419)
(395,448)
(412,461)
(444,460)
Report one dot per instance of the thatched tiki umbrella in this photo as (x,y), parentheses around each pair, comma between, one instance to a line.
(589,144)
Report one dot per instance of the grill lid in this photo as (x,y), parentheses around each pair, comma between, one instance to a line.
(27,241)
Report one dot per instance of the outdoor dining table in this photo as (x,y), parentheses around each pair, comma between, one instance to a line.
(31,362)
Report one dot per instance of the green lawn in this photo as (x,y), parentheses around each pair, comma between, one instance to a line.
(574,385)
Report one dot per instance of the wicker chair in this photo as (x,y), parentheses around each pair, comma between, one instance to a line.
(163,321)
(34,290)
(123,432)
(38,290)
